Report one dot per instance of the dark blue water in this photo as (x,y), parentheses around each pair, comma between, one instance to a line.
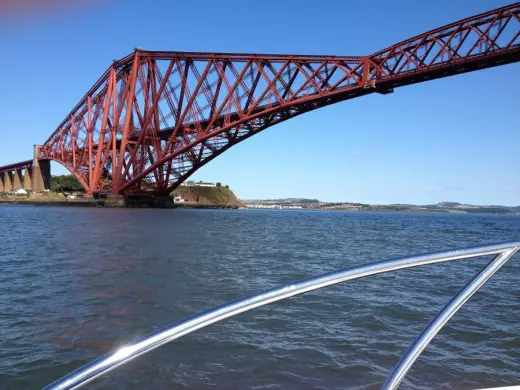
(75,283)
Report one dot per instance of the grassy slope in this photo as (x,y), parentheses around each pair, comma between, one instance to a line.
(219,196)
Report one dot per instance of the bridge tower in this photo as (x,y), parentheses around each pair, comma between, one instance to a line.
(41,172)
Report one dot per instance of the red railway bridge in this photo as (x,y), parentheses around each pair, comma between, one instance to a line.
(154,117)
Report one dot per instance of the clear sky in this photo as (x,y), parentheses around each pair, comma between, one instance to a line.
(454,139)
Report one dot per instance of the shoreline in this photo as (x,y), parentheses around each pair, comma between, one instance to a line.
(103,204)
(382,210)
(50,202)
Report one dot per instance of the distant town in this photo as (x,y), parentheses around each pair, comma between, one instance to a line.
(315,204)
(67,190)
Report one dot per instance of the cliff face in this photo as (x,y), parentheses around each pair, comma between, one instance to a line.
(208,196)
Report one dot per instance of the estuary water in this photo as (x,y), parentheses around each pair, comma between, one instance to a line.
(78,282)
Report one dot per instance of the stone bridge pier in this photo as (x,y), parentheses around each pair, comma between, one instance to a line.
(32,174)
(41,172)
(7,182)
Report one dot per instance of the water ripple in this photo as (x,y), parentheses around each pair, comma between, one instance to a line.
(76,283)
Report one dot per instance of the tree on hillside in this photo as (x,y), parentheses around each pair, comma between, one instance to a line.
(65,183)
(219,184)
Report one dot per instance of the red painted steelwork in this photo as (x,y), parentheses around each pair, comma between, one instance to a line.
(154,118)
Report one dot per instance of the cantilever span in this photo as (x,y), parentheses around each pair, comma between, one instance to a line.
(155,117)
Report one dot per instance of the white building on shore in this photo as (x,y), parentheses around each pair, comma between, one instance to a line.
(18,191)
(178,199)
(198,184)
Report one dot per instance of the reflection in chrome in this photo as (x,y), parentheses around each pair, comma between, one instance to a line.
(503,252)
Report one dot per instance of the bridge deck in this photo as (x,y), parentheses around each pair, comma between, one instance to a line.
(16,166)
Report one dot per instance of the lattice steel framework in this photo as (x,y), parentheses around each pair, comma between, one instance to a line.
(154,118)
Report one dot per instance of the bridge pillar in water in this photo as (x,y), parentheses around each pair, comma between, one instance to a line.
(41,172)
(17,179)
(27,180)
(2,189)
(8,183)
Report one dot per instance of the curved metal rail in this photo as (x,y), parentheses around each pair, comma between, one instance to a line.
(503,253)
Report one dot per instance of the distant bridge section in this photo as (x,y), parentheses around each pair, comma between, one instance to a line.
(34,175)
(155,117)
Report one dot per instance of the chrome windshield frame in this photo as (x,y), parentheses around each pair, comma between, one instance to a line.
(503,252)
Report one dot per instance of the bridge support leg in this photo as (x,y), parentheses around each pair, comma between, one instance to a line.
(41,172)
(2,188)
(17,179)
(8,183)
(27,179)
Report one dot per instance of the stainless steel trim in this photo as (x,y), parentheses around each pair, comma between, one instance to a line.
(427,335)
(101,366)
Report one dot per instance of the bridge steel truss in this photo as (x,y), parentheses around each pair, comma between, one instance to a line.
(154,117)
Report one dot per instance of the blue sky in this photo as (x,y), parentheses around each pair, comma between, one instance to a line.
(451,139)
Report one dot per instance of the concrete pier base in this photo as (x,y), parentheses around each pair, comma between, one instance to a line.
(134,200)
(149,201)
(112,200)
(2,189)
(163,202)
